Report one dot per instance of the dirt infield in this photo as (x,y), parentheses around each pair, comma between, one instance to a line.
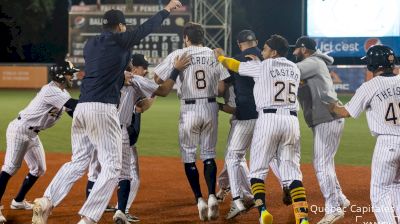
(165,196)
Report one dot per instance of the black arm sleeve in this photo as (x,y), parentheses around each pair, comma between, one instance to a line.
(70,105)
(133,37)
(174,74)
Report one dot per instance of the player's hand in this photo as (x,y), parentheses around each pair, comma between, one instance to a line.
(128,78)
(182,62)
(173,4)
(218,52)
(331,107)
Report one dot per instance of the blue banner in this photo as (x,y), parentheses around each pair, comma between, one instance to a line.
(354,46)
(347,79)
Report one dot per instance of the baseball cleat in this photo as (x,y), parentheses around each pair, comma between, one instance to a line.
(237,207)
(132,218)
(213,212)
(120,218)
(41,210)
(222,193)
(331,218)
(2,218)
(202,207)
(23,205)
(265,217)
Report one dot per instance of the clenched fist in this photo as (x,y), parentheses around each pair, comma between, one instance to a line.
(173,4)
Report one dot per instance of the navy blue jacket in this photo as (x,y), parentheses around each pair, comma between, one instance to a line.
(243,88)
(106,57)
(134,128)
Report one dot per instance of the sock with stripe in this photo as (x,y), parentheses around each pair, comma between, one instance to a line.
(89,187)
(124,187)
(210,174)
(258,191)
(4,178)
(299,202)
(29,181)
(193,177)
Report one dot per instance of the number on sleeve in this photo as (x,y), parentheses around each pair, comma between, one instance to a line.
(200,79)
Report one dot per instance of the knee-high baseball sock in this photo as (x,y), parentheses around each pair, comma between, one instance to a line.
(29,181)
(124,187)
(210,174)
(193,177)
(4,178)
(89,187)
(298,194)
(258,191)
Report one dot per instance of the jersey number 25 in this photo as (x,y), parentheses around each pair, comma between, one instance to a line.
(282,87)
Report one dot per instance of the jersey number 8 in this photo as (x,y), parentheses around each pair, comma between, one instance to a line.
(200,79)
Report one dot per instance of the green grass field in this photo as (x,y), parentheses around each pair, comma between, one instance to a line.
(159,131)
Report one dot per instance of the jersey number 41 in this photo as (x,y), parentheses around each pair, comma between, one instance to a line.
(392,114)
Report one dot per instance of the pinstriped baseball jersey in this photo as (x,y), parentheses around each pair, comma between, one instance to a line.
(380,97)
(279,73)
(141,88)
(200,79)
(46,108)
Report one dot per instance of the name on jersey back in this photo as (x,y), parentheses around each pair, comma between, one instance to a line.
(284,72)
(210,61)
(387,93)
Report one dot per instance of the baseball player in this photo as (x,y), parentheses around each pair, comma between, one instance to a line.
(22,133)
(96,125)
(276,132)
(242,128)
(315,83)
(136,87)
(198,87)
(380,98)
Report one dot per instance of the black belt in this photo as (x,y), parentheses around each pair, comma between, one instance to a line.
(273,111)
(30,128)
(210,100)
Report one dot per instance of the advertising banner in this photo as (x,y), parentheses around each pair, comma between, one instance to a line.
(354,46)
(347,78)
(23,76)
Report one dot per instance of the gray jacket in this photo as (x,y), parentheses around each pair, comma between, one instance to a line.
(316,85)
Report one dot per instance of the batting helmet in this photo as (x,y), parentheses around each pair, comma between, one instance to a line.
(58,71)
(379,56)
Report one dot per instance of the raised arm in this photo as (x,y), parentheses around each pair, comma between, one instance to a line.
(133,37)
(249,68)
(228,63)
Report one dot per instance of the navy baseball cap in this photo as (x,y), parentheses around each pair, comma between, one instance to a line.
(113,17)
(306,42)
(246,35)
(140,60)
